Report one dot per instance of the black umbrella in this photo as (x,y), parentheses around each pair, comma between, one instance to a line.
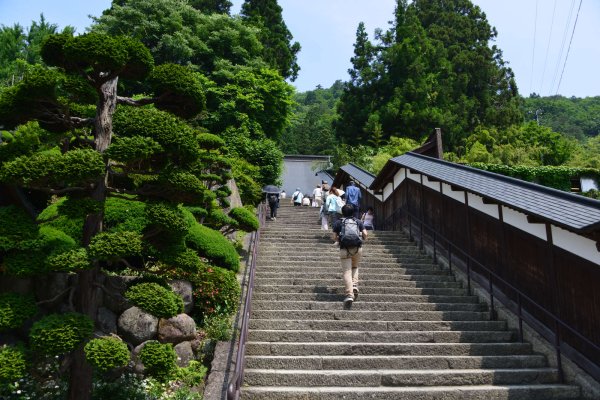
(271,189)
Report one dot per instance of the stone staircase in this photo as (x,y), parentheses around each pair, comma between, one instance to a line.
(413,333)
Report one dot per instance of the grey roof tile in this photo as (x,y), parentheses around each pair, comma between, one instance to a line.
(358,174)
(564,209)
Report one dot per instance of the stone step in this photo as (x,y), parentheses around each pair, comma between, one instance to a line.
(480,392)
(306,247)
(333,263)
(264,335)
(279,271)
(359,305)
(371,315)
(363,299)
(395,362)
(382,349)
(365,280)
(364,378)
(310,259)
(364,290)
(371,326)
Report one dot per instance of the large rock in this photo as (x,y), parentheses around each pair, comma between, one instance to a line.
(115,299)
(176,329)
(106,320)
(185,354)
(137,326)
(184,289)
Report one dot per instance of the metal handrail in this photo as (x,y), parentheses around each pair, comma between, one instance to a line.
(492,276)
(235,384)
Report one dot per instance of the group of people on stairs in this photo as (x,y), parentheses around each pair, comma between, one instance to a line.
(341,211)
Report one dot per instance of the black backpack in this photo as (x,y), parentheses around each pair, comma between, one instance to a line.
(272,199)
(350,236)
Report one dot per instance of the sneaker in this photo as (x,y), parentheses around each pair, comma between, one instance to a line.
(274,218)
(348,301)
(355,291)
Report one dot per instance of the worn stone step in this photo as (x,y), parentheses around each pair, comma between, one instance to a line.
(363,290)
(365,280)
(333,264)
(278,271)
(374,378)
(314,259)
(364,298)
(372,315)
(368,249)
(264,335)
(396,362)
(414,349)
(480,392)
(359,305)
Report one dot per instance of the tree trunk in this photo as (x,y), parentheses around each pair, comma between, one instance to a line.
(86,302)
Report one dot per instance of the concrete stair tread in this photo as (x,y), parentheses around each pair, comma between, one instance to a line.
(479,392)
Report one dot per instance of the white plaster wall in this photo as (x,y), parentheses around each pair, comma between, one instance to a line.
(477,203)
(458,196)
(432,185)
(519,220)
(576,244)
(414,177)
(399,177)
(387,190)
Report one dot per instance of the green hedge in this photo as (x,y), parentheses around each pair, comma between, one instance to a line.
(12,364)
(57,334)
(214,246)
(554,177)
(107,353)
(110,246)
(245,219)
(155,299)
(15,309)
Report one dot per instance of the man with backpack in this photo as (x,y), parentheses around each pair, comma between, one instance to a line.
(350,234)
(297,197)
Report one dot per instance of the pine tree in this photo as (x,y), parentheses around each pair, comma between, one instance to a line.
(279,51)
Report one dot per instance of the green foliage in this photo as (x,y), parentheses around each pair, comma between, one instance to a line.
(593,194)
(16,228)
(13,365)
(107,353)
(245,219)
(212,6)
(135,148)
(555,177)
(168,217)
(193,375)
(158,359)
(216,291)
(175,82)
(213,246)
(155,299)
(75,167)
(15,309)
(68,214)
(218,327)
(210,142)
(125,215)
(69,261)
(112,246)
(57,334)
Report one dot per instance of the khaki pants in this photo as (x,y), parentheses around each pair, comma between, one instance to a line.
(350,259)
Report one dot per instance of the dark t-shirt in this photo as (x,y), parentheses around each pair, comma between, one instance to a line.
(337,225)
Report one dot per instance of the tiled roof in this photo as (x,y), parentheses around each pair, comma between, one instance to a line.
(561,208)
(358,174)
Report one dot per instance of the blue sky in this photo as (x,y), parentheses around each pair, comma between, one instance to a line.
(326,30)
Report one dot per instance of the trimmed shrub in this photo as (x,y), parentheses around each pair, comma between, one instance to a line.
(12,364)
(125,215)
(70,261)
(15,309)
(107,353)
(245,219)
(216,291)
(213,246)
(111,246)
(128,149)
(168,217)
(158,359)
(155,299)
(16,227)
(57,334)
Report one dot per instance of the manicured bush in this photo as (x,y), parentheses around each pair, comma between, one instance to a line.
(167,217)
(57,334)
(155,299)
(158,359)
(69,261)
(68,214)
(213,246)
(183,258)
(15,309)
(107,353)
(125,215)
(216,291)
(245,219)
(112,246)
(12,364)
(16,227)
(130,149)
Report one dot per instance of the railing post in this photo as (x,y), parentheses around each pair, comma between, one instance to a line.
(520,315)
(434,248)
(492,310)
(561,375)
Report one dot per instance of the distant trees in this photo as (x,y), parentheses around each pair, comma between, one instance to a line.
(279,51)
(212,6)
(433,67)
